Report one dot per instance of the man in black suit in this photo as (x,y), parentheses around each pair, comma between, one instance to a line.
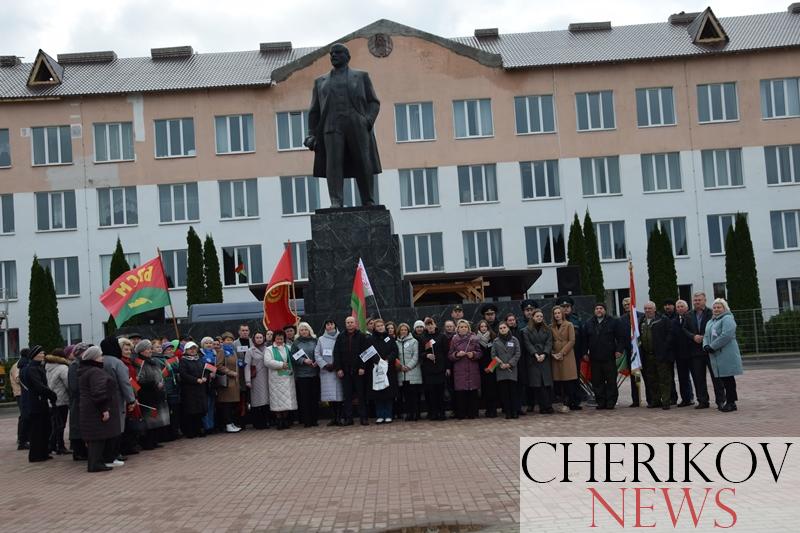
(352,370)
(603,345)
(682,347)
(694,328)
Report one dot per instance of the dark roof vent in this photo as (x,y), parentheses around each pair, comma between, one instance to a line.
(87,57)
(487,33)
(794,8)
(45,71)
(589,26)
(707,30)
(172,52)
(9,61)
(682,18)
(280,46)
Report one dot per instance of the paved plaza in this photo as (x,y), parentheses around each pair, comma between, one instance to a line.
(458,474)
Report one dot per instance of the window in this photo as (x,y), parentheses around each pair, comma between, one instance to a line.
(238,198)
(6,213)
(685,292)
(5,148)
(242,265)
(595,110)
(299,260)
(720,290)
(414,122)
(473,118)
(535,114)
(655,107)
(299,195)
(175,137)
(113,142)
(722,168)
(178,202)
(71,333)
(132,259)
(175,262)
(483,249)
(8,280)
(117,206)
(788,294)
(13,343)
(52,145)
(423,253)
(351,195)
(785,229)
(611,240)
(600,176)
(614,299)
(292,130)
(234,134)
(477,184)
(780,98)
(545,245)
(675,229)
(55,211)
(661,172)
(64,271)
(718,226)
(716,102)
(419,187)
(540,179)
(783,164)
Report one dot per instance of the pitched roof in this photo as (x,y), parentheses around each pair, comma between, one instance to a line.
(515,50)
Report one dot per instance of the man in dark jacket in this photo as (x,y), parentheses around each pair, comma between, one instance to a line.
(682,348)
(655,335)
(351,370)
(625,333)
(433,348)
(34,378)
(603,347)
(695,329)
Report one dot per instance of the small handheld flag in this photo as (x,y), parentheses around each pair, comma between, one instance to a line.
(211,368)
(493,365)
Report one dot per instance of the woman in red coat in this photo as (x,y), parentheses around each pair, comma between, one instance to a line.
(465,352)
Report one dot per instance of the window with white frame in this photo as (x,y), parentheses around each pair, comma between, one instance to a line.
(6,214)
(722,168)
(655,107)
(423,252)
(611,240)
(299,251)
(178,202)
(8,280)
(113,141)
(595,110)
(675,228)
(535,114)
(238,198)
(780,98)
(351,195)
(299,195)
(720,290)
(242,265)
(785,229)
(483,249)
(52,145)
(477,184)
(175,137)
(473,118)
(71,333)
(234,134)
(117,206)
(685,292)
(419,187)
(5,148)
(718,226)
(717,102)
(545,245)
(414,122)
(788,293)
(600,176)
(175,263)
(783,164)
(133,260)
(614,299)
(55,211)
(661,172)
(65,273)
(540,179)
(292,129)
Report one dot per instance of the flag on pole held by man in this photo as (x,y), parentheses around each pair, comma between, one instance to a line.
(636,358)
(361,289)
(277,312)
(138,290)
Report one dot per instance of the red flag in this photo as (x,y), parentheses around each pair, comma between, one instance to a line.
(358,303)
(141,289)
(493,365)
(277,312)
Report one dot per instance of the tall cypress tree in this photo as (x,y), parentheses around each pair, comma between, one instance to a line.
(740,267)
(119,265)
(576,254)
(662,277)
(195,277)
(43,324)
(593,259)
(211,270)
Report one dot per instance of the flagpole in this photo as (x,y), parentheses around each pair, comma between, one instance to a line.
(171,308)
(635,374)
(294,294)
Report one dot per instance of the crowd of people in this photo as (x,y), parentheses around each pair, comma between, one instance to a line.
(131,394)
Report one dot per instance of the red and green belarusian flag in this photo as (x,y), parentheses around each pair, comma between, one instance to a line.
(361,289)
(141,289)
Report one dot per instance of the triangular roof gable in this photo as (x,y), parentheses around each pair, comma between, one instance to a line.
(706,29)
(53,74)
(392,28)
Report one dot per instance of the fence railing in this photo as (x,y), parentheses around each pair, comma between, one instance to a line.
(768,330)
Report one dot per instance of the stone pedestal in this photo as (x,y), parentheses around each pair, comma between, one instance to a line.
(339,236)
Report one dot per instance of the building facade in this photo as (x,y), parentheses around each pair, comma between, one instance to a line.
(490,145)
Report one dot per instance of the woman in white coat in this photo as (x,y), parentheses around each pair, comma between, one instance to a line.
(282,395)
(255,376)
(331,386)
(409,375)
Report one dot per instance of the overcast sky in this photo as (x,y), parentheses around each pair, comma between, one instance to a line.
(132,27)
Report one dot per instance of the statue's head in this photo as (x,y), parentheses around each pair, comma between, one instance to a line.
(340,55)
